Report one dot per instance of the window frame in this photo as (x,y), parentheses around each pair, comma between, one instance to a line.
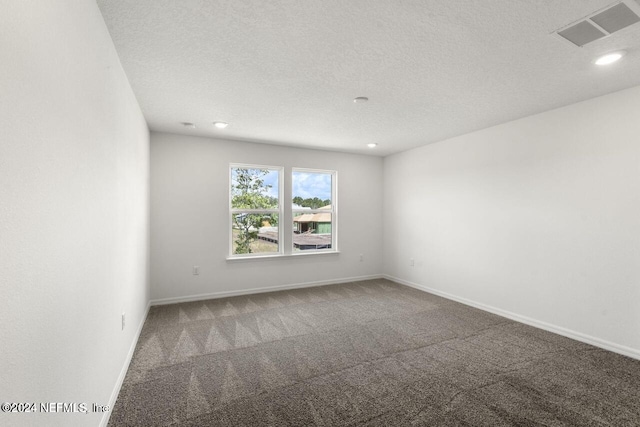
(333,212)
(279,211)
(285,213)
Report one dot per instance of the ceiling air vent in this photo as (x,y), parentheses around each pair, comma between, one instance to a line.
(582,33)
(601,23)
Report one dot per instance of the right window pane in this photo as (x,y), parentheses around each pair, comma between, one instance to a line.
(314,214)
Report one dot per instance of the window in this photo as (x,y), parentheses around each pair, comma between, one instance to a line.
(255,210)
(257,213)
(313,209)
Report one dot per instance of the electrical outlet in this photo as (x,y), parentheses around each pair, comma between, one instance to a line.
(196,270)
(411,262)
(361,257)
(123,321)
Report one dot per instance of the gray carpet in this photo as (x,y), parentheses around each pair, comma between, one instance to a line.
(365,353)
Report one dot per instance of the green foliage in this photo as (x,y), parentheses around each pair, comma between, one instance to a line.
(249,191)
(313,203)
(248,224)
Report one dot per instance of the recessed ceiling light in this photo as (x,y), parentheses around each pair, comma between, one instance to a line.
(372,145)
(188,125)
(360,99)
(610,58)
(220,125)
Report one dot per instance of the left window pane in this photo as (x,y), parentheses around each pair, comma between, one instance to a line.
(254,188)
(254,233)
(255,210)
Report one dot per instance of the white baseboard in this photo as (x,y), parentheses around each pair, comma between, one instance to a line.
(123,372)
(578,336)
(225,294)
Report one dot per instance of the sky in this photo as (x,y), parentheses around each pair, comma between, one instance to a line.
(272,179)
(305,184)
(310,184)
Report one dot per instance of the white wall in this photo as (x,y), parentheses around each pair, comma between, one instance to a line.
(189,217)
(538,217)
(73,209)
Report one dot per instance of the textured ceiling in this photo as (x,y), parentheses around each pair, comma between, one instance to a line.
(286,71)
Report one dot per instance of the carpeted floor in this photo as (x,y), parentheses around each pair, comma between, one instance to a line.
(365,353)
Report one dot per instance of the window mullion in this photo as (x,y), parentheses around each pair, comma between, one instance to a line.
(255,211)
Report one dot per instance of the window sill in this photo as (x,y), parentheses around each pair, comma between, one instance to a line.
(280,256)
